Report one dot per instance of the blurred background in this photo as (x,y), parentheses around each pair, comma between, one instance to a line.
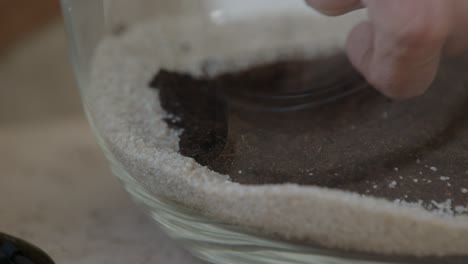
(35,74)
(56,190)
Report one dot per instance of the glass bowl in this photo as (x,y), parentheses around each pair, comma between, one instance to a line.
(205,108)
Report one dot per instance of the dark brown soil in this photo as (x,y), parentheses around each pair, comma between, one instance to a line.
(317,122)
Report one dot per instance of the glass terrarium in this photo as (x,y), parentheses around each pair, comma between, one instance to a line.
(242,128)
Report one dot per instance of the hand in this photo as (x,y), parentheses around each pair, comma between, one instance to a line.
(399,48)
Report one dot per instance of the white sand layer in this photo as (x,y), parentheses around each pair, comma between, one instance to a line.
(128,114)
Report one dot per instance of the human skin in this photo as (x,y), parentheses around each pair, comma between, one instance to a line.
(399,48)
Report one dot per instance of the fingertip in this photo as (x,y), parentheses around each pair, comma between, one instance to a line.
(400,90)
(334,7)
(395,78)
(400,81)
(360,46)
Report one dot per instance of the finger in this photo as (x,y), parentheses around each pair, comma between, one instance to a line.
(399,49)
(458,40)
(395,76)
(335,7)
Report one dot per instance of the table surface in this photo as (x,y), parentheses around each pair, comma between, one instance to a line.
(56,191)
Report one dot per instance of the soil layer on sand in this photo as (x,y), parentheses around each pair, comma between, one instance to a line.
(318,122)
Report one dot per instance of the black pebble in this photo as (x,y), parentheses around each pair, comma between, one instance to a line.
(22,260)
(17,251)
(9,249)
(4,259)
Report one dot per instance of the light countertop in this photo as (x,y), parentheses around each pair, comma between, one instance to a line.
(56,192)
